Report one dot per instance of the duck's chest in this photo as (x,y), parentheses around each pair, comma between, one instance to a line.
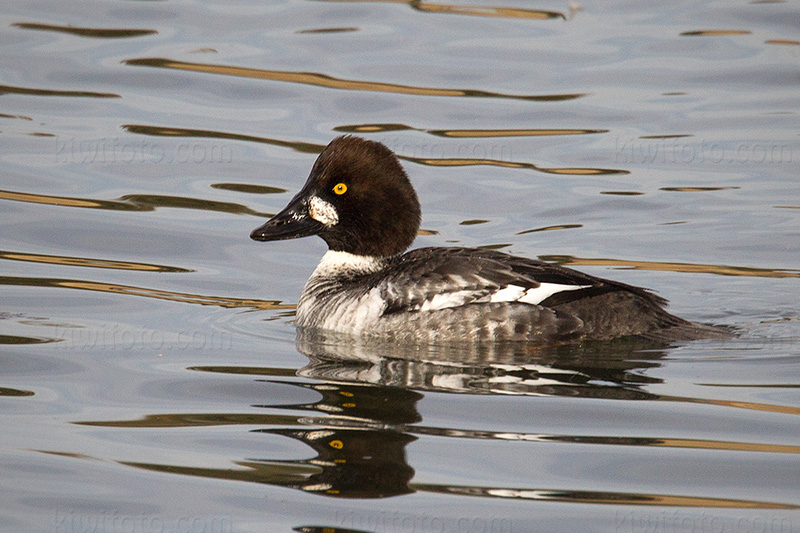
(327,304)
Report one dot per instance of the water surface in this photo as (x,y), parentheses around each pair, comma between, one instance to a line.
(151,378)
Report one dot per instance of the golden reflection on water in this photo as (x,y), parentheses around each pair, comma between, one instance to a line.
(133,202)
(166,131)
(602,497)
(726,445)
(88,262)
(185,420)
(17,339)
(550,228)
(21,117)
(783,42)
(252,471)
(622,193)
(753,406)
(149,202)
(328,30)
(672,136)
(697,189)
(466,162)
(63,201)
(158,294)
(604,440)
(101,33)
(512,133)
(9,89)
(715,33)
(330,82)
(722,270)
(247,370)
(460,134)
(248,188)
(5,391)
(477,11)
(317,148)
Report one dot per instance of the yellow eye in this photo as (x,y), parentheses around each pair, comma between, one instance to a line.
(340,188)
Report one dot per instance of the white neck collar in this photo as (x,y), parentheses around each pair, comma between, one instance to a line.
(334,262)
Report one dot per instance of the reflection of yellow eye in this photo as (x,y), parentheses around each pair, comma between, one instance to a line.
(340,188)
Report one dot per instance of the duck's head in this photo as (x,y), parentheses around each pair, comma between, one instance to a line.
(357,198)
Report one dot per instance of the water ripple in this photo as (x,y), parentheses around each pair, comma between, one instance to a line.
(133,202)
(714,33)
(5,391)
(10,89)
(97,33)
(460,134)
(330,82)
(601,497)
(114,288)
(695,268)
(88,262)
(305,147)
(476,11)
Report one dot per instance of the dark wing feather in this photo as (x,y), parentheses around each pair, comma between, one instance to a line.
(468,275)
(600,309)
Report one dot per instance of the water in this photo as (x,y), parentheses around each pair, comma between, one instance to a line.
(150,375)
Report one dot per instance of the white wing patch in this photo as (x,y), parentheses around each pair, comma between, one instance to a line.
(539,294)
(511,293)
(449,299)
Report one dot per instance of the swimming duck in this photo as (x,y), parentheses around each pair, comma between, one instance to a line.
(359,200)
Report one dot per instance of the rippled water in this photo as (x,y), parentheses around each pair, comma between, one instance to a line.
(150,375)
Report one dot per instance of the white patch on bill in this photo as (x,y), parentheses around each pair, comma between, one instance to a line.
(322,211)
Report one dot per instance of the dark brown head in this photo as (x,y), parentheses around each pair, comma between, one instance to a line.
(357,198)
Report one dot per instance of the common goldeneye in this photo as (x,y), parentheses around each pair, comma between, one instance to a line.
(360,201)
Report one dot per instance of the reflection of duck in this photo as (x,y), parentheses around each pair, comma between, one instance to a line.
(354,463)
(608,369)
(387,407)
(367,415)
(361,445)
(360,201)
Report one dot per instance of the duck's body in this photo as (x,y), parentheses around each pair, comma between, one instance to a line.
(360,201)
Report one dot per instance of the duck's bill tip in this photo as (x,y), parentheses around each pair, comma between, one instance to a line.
(287,225)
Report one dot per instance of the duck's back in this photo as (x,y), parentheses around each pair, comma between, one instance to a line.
(468,294)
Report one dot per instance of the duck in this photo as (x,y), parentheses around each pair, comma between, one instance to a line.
(360,201)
